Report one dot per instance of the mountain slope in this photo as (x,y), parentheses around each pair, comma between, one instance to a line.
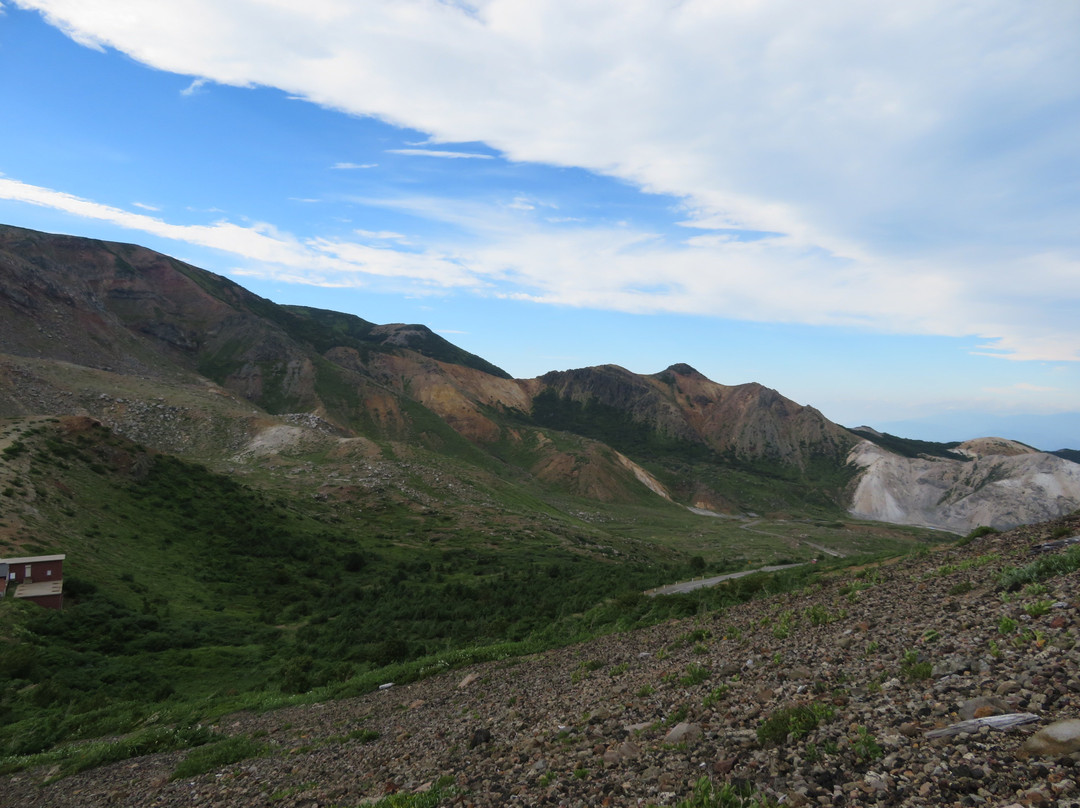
(190,362)
(827,695)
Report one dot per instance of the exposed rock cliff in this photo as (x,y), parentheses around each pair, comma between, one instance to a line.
(1001,490)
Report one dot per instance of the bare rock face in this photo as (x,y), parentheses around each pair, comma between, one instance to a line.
(998,490)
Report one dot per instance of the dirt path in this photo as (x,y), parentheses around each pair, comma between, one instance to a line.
(689,586)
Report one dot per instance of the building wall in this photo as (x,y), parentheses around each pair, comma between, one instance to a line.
(49,601)
(39,571)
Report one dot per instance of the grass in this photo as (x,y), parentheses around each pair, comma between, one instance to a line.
(794,722)
(725,795)
(71,759)
(216,755)
(440,791)
(913,669)
(1044,567)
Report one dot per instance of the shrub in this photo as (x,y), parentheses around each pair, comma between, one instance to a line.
(715,696)
(725,795)
(695,675)
(865,746)
(1042,568)
(913,669)
(1038,608)
(792,721)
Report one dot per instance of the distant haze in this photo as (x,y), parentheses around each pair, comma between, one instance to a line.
(1046,432)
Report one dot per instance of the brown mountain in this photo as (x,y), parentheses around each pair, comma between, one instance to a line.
(187,361)
(85,322)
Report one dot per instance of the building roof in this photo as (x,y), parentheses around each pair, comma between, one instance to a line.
(39,590)
(32,559)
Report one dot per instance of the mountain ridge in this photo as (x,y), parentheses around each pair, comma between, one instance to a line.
(123,317)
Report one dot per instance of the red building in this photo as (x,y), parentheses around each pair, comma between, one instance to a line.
(36,578)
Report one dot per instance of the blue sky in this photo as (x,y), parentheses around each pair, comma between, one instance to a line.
(874,210)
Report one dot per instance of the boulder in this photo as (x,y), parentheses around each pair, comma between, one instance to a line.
(1058,739)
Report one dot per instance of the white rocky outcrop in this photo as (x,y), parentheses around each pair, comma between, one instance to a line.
(1014,487)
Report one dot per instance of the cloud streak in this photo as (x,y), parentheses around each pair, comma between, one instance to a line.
(768,280)
(912,168)
(450,155)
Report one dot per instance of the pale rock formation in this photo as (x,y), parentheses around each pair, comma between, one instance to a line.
(1015,485)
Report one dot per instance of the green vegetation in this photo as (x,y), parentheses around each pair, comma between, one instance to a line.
(910,447)
(914,669)
(1038,608)
(442,790)
(977,533)
(725,795)
(795,722)
(865,746)
(695,675)
(190,594)
(217,754)
(715,696)
(75,758)
(1045,566)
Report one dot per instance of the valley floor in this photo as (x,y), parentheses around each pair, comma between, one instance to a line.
(878,660)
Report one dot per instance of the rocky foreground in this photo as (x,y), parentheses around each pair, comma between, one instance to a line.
(877,658)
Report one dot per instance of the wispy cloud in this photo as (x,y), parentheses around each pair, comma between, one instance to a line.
(352,166)
(451,155)
(144,206)
(195,87)
(865,147)
(615,268)
(381,235)
(272,253)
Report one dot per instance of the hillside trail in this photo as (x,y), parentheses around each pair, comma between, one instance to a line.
(682,587)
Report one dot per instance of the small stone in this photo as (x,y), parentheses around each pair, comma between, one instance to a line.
(982,706)
(724,766)
(683,733)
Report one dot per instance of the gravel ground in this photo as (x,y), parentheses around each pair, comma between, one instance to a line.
(639,718)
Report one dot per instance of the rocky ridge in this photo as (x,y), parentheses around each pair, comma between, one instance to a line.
(880,658)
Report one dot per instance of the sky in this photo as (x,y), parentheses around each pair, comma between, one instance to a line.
(872,208)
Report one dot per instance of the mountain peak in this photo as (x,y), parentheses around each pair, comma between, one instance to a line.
(682,369)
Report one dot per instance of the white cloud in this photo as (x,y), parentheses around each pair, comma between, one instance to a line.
(381,235)
(352,166)
(195,87)
(767,280)
(452,155)
(913,164)
(273,254)
(144,206)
